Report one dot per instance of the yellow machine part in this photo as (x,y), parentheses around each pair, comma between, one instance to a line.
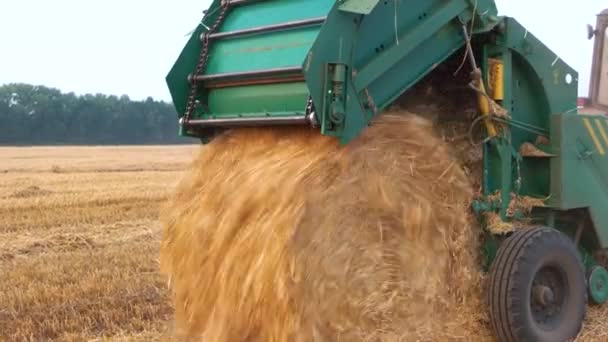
(495,92)
(496,71)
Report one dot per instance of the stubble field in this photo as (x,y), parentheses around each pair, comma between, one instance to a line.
(79,244)
(79,240)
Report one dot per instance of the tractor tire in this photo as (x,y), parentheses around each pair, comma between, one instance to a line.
(537,288)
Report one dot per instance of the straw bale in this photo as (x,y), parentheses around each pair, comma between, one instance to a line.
(283,235)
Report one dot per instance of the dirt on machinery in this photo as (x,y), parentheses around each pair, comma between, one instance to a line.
(284,235)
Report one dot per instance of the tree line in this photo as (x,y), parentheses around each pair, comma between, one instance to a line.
(38,115)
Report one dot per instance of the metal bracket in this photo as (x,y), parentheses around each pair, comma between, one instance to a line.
(334,107)
(364,7)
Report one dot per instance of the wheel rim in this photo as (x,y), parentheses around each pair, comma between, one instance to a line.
(548,296)
(598,284)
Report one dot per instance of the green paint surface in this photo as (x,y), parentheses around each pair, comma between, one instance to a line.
(277,50)
(259,100)
(254,52)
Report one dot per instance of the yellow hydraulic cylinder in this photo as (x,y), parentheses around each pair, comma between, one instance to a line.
(484,108)
(496,75)
(496,92)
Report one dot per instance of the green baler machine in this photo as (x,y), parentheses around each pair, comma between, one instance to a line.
(335,65)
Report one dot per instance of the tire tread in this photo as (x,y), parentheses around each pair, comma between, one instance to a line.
(512,256)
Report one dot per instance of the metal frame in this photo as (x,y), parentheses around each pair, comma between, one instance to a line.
(251,122)
(600,38)
(268,28)
(257,75)
(239,2)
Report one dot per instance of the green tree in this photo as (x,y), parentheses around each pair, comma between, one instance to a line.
(37,115)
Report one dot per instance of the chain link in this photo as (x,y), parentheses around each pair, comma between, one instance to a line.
(203,59)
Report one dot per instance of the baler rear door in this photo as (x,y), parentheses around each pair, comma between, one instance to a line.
(254,71)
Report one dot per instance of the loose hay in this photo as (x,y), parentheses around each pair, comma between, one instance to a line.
(283,235)
(496,226)
(521,204)
(529,150)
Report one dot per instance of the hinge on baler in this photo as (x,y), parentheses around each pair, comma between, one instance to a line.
(334,106)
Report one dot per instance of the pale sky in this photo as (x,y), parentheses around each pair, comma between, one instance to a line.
(128,46)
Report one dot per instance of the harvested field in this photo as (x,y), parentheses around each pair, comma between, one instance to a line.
(79,241)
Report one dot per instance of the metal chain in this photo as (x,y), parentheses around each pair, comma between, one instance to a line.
(202,62)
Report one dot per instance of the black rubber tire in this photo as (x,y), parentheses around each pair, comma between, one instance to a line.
(512,274)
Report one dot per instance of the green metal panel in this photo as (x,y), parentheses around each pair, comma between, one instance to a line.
(365,54)
(535,88)
(385,53)
(335,44)
(266,51)
(579,171)
(268,12)
(285,48)
(359,6)
(258,100)
(541,100)
(416,30)
(551,71)
(276,50)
